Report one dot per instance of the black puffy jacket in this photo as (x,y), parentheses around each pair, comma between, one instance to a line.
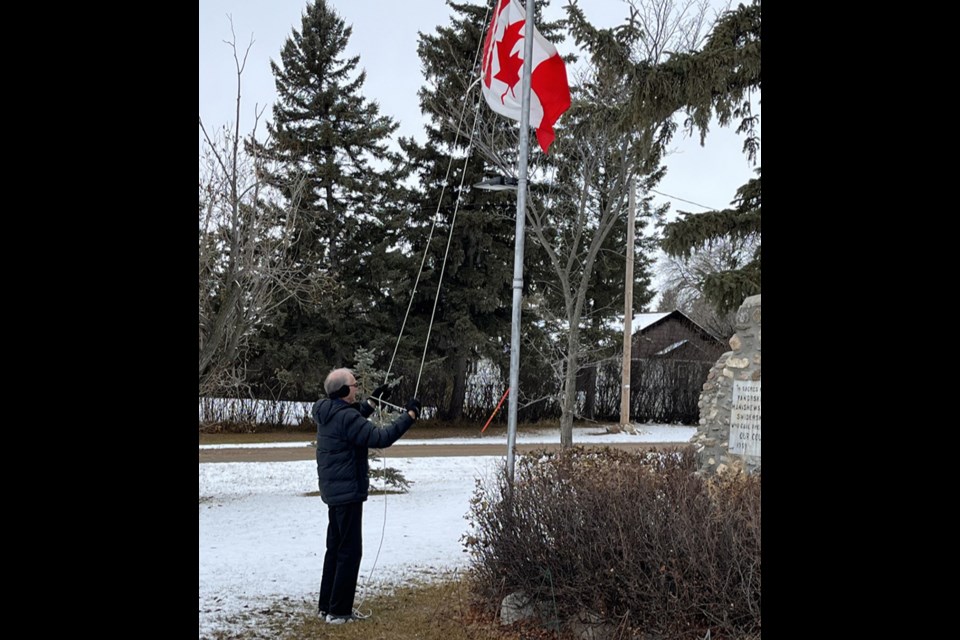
(344,436)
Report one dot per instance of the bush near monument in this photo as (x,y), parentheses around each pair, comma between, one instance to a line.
(633,541)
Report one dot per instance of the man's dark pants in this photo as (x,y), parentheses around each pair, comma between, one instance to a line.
(341,562)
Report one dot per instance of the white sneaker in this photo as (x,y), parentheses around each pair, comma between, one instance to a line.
(331,619)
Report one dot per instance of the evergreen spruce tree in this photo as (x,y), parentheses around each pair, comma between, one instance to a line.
(477,292)
(725,289)
(717,80)
(577,211)
(472,320)
(337,172)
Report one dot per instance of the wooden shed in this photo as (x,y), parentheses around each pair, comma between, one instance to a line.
(673,336)
(671,356)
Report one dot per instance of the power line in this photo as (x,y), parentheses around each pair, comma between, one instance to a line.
(667,195)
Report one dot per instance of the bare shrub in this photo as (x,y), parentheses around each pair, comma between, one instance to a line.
(245,415)
(637,540)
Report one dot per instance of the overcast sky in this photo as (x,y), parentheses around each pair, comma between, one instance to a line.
(385,38)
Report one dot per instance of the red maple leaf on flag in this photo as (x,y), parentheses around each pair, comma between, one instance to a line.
(549,89)
(509,64)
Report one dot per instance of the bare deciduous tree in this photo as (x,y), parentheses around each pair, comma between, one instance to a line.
(571,224)
(576,206)
(683,281)
(244,273)
(579,193)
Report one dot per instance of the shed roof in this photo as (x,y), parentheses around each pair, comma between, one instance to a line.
(643,320)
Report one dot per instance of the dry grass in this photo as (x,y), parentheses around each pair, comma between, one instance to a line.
(437,611)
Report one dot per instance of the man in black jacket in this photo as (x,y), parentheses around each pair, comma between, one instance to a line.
(344,436)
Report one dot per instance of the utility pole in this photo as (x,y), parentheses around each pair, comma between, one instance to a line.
(628,317)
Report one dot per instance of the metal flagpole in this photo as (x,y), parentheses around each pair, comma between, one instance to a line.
(528,31)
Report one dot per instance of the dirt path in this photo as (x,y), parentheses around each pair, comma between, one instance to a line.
(306,452)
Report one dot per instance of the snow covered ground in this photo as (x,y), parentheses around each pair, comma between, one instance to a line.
(262,536)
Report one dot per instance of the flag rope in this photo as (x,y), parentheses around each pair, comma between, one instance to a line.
(463,110)
(453,222)
(433,226)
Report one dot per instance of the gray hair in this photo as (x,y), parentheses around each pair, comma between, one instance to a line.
(336,379)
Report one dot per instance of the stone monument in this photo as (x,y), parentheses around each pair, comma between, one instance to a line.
(728,436)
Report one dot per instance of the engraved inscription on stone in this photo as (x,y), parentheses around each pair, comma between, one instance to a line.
(745,418)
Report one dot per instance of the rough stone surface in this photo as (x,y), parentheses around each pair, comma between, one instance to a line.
(516,606)
(742,363)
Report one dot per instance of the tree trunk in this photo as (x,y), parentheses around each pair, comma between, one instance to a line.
(455,411)
(589,379)
(569,406)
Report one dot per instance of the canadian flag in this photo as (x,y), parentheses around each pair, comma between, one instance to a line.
(503,63)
